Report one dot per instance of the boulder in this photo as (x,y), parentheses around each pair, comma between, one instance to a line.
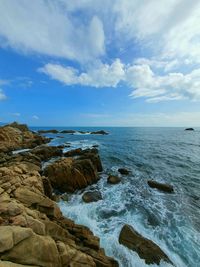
(113,179)
(123,171)
(21,127)
(160,186)
(91,196)
(68,175)
(146,249)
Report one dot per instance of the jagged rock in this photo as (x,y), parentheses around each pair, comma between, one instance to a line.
(163,187)
(123,171)
(91,196)
(16,136)
(113,179)
(145,248)
(21,127)
(68,175)
(45,152)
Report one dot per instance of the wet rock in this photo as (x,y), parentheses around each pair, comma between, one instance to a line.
(189,129)
(68,131)
(68,175)
(113,179)
(102,132)
(123,171)
(45,152)
(64,197)
(160,186)
(145,248)
(48,131)
(91,196)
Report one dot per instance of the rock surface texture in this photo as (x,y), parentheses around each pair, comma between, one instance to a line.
(33,231)
(145,248)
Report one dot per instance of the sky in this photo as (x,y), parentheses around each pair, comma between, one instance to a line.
(100,63)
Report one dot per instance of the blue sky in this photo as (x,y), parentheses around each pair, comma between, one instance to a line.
(100,63)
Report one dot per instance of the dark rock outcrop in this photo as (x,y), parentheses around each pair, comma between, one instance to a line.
(53,131)
(45,152)
(102,132)
(68,131)
(113,179)
(162,187)
(91,196)
(123,171)
(189,129)
(145,248)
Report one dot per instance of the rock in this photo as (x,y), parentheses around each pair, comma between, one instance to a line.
(68,175)
(21,127)
(65,197)
(48,131)
(68,131)
(91,196)
(123,171)
(14,137)
(189,129)
(145,248)
(113,179)
(99,132)
(89,153)
(163,187)
(45,152)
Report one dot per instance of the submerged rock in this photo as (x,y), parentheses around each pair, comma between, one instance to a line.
(91,196)
(189,129)
(123,171)
(113,179)
(145,248)
(163,187)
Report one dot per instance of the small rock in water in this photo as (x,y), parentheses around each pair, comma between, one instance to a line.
(64,197)
(163,187)
(123,171)
(113,179)
(189,129)
(145,248)
(91,196)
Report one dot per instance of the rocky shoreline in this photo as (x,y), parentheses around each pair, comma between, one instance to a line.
(33,231)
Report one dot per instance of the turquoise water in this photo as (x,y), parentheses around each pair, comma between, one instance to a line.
(169,155)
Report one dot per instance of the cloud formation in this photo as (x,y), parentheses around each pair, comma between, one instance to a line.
(2,95)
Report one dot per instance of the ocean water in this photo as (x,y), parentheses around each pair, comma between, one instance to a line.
(169,155)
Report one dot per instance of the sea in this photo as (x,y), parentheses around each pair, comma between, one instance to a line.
(172,221)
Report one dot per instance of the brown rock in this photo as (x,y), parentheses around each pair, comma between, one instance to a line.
(163,187)
(145,248)
(91,196)
(45,152)
(113,179)
(69,175)
(48,131)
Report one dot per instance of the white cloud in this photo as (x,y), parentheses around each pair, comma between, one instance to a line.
(100,75)
(2,95)
(16,114)
(46,27)
(35,117)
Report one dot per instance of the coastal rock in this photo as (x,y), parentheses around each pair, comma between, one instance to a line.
(113,179)
(68,175)
(68,131)
(102,132)
(16,136)
(91,196)
(189,129)
(145,248)
(53,131)
(45,152)
(160,186)
(90,153)
(123,171)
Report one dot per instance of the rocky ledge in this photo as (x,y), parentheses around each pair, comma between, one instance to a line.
(33,231)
